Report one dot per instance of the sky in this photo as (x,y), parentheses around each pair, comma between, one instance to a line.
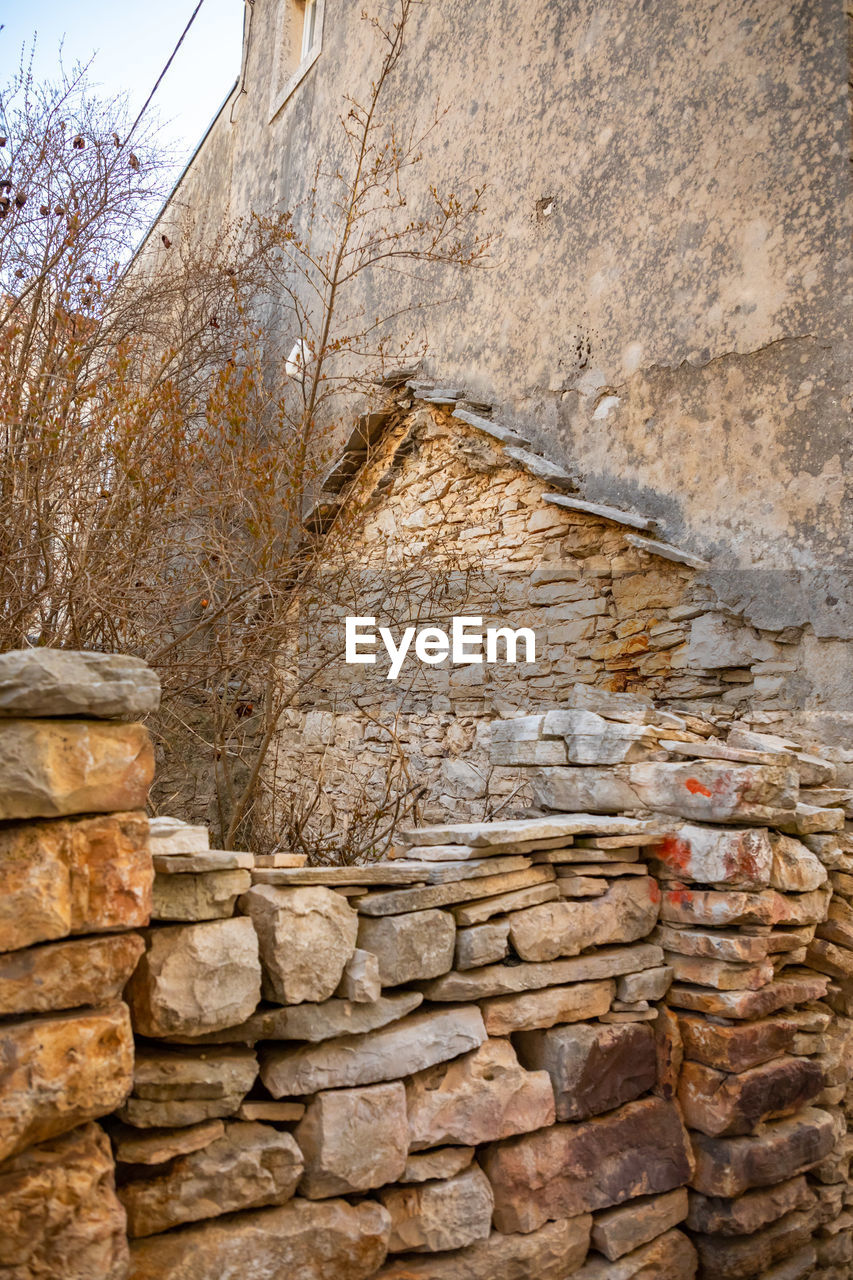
(132,41)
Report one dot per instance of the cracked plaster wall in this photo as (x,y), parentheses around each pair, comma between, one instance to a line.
(674,318)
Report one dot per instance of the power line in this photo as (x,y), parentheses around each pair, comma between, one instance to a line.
(163,72)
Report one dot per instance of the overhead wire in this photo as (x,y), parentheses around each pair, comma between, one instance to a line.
(162,74)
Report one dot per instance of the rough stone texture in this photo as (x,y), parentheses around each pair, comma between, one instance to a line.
(669,1051)
(360,981)
(651,985)
(329,1241)
(59,1215)
(716,1103)
(720,944)
(722,975)
(353,1139)
(60,1071)
(481,944)
(795,868)
(478,912)
(209,895)
(524,1012)
(749,1212)
(251,1165)
(639,1149)
(593,1067)
(618,1231)
(50,768)
(736,1048)
(434,1216)
(553,1252)
(162,1073)
(484,1096)
(498,980)
(410,1045)
(669,1257)
(156,1146)
(313,1022)
(683,905)
(730,1166)
(739,858)
(57,682)
(394,902)
(419,944)
(749,1004)
(64,975)
(734,1258)
(172,836)
(445,1162)
(91,875)
(195,978)
(306,937)
(592,740)
(626,912)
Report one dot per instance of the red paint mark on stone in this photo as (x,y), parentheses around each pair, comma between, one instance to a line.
(675,852)
(654,891)
(696,788)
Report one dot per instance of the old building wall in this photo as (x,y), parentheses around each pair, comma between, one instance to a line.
(667,304)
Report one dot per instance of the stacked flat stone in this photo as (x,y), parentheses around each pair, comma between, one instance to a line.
(75,885)
(360,1064)
(762,1041)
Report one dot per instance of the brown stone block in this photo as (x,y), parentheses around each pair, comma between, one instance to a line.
(57,1072)
(715,1215)
(781,994)
(743,1257)
(59,1214)
(50,768)
(831,958)
(618,1231)
(553,1252)
(593,1067)
(729,1166)
(735,1048)
(669,1257)
(573,1003)
(681,904)
(640,1149)
(331,1240)
(625,913)
(64,975)
(669,1052)
(715,1102)
(435,1216)
(353,1139)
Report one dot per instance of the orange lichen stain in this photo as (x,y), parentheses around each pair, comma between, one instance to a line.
(675,852)
(679,897)
(697,788)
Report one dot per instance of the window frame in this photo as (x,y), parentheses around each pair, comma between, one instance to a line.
(282,91)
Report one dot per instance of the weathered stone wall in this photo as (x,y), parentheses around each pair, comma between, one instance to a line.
(669,300)
(75,885)
(450,518)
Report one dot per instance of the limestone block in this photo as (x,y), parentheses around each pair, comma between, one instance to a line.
(669,1257)
(360,981)
(653,984)
(91,875)
(784,1148)
(531,1009)
(741,858)
(716,642)
(593,1067)
(618,1231)
(59,1215)
(639,1149)
(210,895)
(171,835)
(419,944)
(499,979)
(156,1146)
(482,944)
(195,978)
(740,1257)
(64,975)
(306,937)
(718,1103)
(313,1022)
(736,1048)
(60,1071)
(328,1241)
(478,912)
(795,868)
(178,864)
(720,944)
(553,1252)
(434,1216)
(595,789)
(748,1004)
(684,905)
(669,1051)
(484,1096)
(60,682)
(249,1166)
(353,1139)
(830,958)
(506,835)
(722,975)
(714,1215)
(592,740)
(444,1162)
(49,768)
(407,1046)
(625,913)
(716,791)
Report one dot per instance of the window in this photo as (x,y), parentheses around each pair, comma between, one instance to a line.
(300,38)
